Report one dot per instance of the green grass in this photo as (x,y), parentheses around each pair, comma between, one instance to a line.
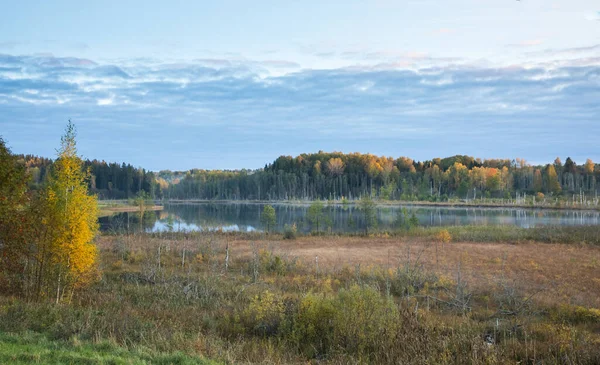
(34,348)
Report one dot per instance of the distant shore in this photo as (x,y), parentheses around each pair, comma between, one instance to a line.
(108,208)
(397,203)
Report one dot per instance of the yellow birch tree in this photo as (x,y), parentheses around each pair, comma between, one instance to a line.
(66,254)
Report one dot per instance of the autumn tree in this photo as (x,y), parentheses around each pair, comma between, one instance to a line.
(589,170)
(589,166)
(553,183)
(13,221)
(65,257)
(492,179)
(335,166)
(537,181)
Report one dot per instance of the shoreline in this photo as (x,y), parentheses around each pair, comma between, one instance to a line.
(398,203)
(105,211)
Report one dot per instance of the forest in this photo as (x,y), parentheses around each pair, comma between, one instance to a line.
(107,180)
(335,176)
(338,176)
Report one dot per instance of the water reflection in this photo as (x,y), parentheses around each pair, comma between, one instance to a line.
(246,217)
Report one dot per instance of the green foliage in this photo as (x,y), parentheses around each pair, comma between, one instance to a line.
(265,314)
(32,348)
(272,263)
(315,214)
(313,327)
(336,175)
(268,217)
(14,221)
(107,180)
(368,209)
(575,314)
(363,320)
(290,231)
(406,221)
(142,200)
(413,221)
(387,191)
(557,234)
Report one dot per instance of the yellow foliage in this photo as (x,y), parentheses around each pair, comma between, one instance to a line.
(444,282)
(66,253)
(444,236)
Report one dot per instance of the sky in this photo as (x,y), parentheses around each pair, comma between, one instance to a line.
(235,84)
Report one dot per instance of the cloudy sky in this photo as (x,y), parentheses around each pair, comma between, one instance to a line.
(233,84)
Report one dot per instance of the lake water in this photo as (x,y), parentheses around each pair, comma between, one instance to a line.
(246,217)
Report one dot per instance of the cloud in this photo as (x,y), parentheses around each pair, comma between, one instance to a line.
(528,43)
(593,16)
(280,64)
(573,51)
(9,45)
(234,105)
(443,31)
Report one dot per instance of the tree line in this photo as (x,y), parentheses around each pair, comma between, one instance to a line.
(351,176)
(335,176)
(106,180)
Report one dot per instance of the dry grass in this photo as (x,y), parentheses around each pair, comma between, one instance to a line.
(561,273)
(372,300)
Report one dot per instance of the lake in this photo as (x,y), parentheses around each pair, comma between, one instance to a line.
(246,217)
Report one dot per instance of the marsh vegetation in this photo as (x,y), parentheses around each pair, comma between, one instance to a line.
(298,287)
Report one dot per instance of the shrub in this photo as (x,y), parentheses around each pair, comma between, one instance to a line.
(363,319)
(444,236)
(265,314)
(290,232)
(272,263)
(313,325)
(575,314)
(357,321)
(539,197)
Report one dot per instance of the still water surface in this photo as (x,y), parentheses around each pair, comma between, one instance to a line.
(246,217)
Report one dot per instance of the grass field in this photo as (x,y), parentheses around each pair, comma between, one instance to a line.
(32,348)
(254,298)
